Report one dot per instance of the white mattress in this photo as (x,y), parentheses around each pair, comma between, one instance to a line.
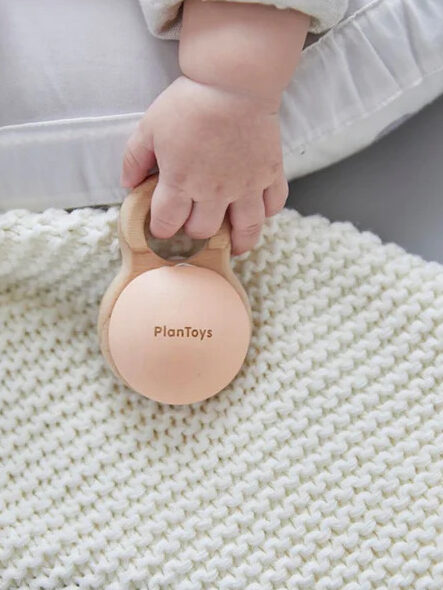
(76,77)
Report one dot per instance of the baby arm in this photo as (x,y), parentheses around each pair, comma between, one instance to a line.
(214,132)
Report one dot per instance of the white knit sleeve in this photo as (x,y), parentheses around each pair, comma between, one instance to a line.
(163,17)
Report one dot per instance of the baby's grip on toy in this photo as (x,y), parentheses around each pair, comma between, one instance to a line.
(174,331)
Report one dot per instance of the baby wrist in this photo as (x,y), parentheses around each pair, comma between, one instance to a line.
(249,94)
(244,48)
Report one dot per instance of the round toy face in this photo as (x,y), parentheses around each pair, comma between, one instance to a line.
(179,334)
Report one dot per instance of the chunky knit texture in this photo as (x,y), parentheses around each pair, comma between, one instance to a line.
(320,467)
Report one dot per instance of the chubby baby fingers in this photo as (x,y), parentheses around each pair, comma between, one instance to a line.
(170,208)
(138,158)
(205,219)
(247,216)
(275,196)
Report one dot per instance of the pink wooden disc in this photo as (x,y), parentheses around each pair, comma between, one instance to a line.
(179,334)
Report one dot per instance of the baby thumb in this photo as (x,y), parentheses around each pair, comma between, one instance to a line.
(138,158)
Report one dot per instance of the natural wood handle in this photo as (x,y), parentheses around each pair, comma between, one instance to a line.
(139,257)
(133,215)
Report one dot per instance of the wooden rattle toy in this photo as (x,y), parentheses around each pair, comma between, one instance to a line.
(176,331)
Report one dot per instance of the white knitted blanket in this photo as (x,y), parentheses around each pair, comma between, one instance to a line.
(320,467)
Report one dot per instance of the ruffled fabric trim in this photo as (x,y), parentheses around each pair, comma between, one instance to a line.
(361,71)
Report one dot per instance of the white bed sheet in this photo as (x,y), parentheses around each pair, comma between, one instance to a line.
(77,75)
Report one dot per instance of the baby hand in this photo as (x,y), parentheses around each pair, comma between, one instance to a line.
(214,132)
(216,150)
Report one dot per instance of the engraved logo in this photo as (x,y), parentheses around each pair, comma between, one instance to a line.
(185,332)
